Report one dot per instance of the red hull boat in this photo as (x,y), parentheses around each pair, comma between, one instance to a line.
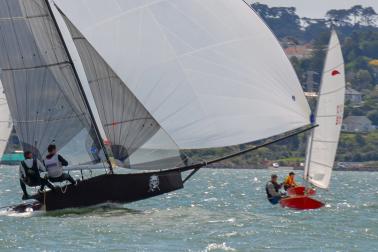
(301,203)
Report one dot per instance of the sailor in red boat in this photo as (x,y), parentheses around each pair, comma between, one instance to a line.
(272,189)
(289,181)
(54,165)
(30,170)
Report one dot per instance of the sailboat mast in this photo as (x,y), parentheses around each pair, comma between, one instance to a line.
(80,86)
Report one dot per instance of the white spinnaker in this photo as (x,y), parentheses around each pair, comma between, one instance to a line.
(329,115)
(5,121)
(209,71)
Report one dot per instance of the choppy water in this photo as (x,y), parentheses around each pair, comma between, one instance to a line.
(219,210)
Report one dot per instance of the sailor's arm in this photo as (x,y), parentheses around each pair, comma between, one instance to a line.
(21,172)
(285,182)
(41,166)
(62,160)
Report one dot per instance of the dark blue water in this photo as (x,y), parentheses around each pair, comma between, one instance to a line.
(219,210)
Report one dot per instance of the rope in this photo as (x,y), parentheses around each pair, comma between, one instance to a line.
(64,190)
(44,199)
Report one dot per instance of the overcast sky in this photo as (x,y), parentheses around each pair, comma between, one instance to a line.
(318,8)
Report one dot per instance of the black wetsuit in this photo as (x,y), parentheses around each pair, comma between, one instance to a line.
(33,178)
(276,197)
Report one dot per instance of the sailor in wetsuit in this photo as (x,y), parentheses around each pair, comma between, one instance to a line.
(29,174)
(272,190)
(54,165)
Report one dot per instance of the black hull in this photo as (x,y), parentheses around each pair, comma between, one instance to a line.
(114,188)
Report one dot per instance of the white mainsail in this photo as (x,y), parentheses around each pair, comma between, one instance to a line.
(323,143)
(5,121)
(209,71)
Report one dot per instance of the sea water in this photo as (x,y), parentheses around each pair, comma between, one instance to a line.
(219,210)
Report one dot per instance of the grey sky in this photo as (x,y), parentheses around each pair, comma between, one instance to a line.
(318,8)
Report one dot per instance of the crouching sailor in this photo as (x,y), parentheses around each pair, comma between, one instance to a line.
(29,174)
(54,165)
(289,181)
(273,190)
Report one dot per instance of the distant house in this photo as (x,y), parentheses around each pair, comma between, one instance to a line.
(357,124)
(299,51)
(311,84)
(353,96)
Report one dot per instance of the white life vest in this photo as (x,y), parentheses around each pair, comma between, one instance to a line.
(53,166)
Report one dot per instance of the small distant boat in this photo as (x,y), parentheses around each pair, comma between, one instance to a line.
(323,142)
(5,125)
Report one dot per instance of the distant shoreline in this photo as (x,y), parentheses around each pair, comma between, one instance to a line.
(352,169)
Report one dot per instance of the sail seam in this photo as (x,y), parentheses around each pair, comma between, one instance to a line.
(37,67)
(23,18)
(333,68)
(126,121)
(326,116)
(321,164)
(324,141)
(333,91)
(50,120)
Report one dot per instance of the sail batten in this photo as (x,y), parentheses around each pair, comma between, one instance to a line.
(322,146)
(201,68)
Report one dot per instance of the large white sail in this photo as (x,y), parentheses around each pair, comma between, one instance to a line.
(135,138)
(5,121)
(329,115)
(209,71)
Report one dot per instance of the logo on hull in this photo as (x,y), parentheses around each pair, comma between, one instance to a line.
(154,183)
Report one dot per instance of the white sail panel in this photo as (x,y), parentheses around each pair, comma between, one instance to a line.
(209,71)
(5,121)
(135,138)
(329,115)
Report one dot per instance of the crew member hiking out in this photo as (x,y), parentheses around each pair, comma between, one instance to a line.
(30,170)
(272,190)
(289,181)
(54,165)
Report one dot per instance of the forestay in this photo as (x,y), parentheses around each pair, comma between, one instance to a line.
(5,121)
(208,71)
(39,82)
(323,144)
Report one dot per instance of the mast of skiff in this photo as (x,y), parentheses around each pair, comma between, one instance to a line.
(81,89)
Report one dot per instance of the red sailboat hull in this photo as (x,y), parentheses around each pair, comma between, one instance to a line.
(301,203)
(301,190)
